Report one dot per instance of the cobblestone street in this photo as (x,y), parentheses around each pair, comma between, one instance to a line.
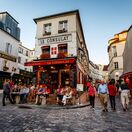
(14,119)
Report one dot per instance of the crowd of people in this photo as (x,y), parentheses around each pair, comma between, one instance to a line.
(23,93)
(111,89)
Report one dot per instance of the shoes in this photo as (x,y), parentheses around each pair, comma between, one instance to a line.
(103,110)
(114,109)
(93,108)
(4,105)
(124,109)
(106,110)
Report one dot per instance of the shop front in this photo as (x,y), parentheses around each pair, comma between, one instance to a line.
(55,72)
(128,79)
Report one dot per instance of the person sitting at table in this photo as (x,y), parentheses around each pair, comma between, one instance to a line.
(67,95)
(23,94)
(60,94)
(39,94)
(26,92)
(14,92)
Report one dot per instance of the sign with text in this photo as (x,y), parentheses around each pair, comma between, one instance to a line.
(55,39)
(8,57)
(79,87)
(50,62)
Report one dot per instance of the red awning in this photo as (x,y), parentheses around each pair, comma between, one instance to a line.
(128,74)
(50,62)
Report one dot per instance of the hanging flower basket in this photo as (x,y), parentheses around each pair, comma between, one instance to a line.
(44,56)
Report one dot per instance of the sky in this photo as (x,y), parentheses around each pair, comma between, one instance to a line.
(101,20)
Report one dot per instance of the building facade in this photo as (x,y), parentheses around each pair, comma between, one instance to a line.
(115,52)
(127,58)
(61,55)
(94,72)
(25,55)
(9,42)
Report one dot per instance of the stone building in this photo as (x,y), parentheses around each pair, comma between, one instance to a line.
(9,42)
(127,58)
(61,55)
(25,55)
(115,52)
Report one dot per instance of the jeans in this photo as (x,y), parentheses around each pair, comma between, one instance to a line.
(6,95)
(112,102)
(91,99)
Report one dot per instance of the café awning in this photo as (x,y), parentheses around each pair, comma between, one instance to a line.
(51,62)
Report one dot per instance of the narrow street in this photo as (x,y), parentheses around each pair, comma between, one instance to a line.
(14,119)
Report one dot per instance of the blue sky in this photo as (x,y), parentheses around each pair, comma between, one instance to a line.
(101,19)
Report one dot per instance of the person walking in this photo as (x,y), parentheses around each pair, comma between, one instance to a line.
(124,95)
(6,92)
(91,93)
(112,93)
(102,92)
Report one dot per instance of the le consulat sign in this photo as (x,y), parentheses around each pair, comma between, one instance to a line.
(55,39)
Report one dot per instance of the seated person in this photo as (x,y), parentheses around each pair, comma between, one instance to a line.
(60,92)
(39,93)
(46,91)
(67,95)
(23,94)
(14,92)
(31,93)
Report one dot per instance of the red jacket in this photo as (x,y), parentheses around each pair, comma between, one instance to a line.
(91,91)
(112,90)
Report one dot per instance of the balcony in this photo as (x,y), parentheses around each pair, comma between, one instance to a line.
(5,68)
(47,33)
(62,30)
(44,56)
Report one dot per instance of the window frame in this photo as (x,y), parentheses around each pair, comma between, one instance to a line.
(63,26)
(47,29)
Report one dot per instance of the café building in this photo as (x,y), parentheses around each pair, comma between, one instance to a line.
(61,55)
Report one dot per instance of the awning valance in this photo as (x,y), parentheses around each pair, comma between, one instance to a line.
(128,74)
(50,62)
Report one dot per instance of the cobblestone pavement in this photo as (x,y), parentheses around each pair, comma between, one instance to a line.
(14,119)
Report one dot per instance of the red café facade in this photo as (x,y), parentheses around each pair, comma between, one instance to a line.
(55,72)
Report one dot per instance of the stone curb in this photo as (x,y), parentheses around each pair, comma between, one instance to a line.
(51,107)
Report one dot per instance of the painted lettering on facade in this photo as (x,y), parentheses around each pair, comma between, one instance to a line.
(56,39)
(5,56)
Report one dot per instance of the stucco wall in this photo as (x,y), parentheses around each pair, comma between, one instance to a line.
(127,56)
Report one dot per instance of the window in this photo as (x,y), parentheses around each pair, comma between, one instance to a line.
(8,30)
(62,26)
(114,51)
(45,49)
(20,50)
(62,50)
(47,29)
(26,53)
(116,65)
(45,52)
(19,59)
(8,48)
(26,60)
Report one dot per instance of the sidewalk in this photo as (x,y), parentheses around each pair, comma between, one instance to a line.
(50,107)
